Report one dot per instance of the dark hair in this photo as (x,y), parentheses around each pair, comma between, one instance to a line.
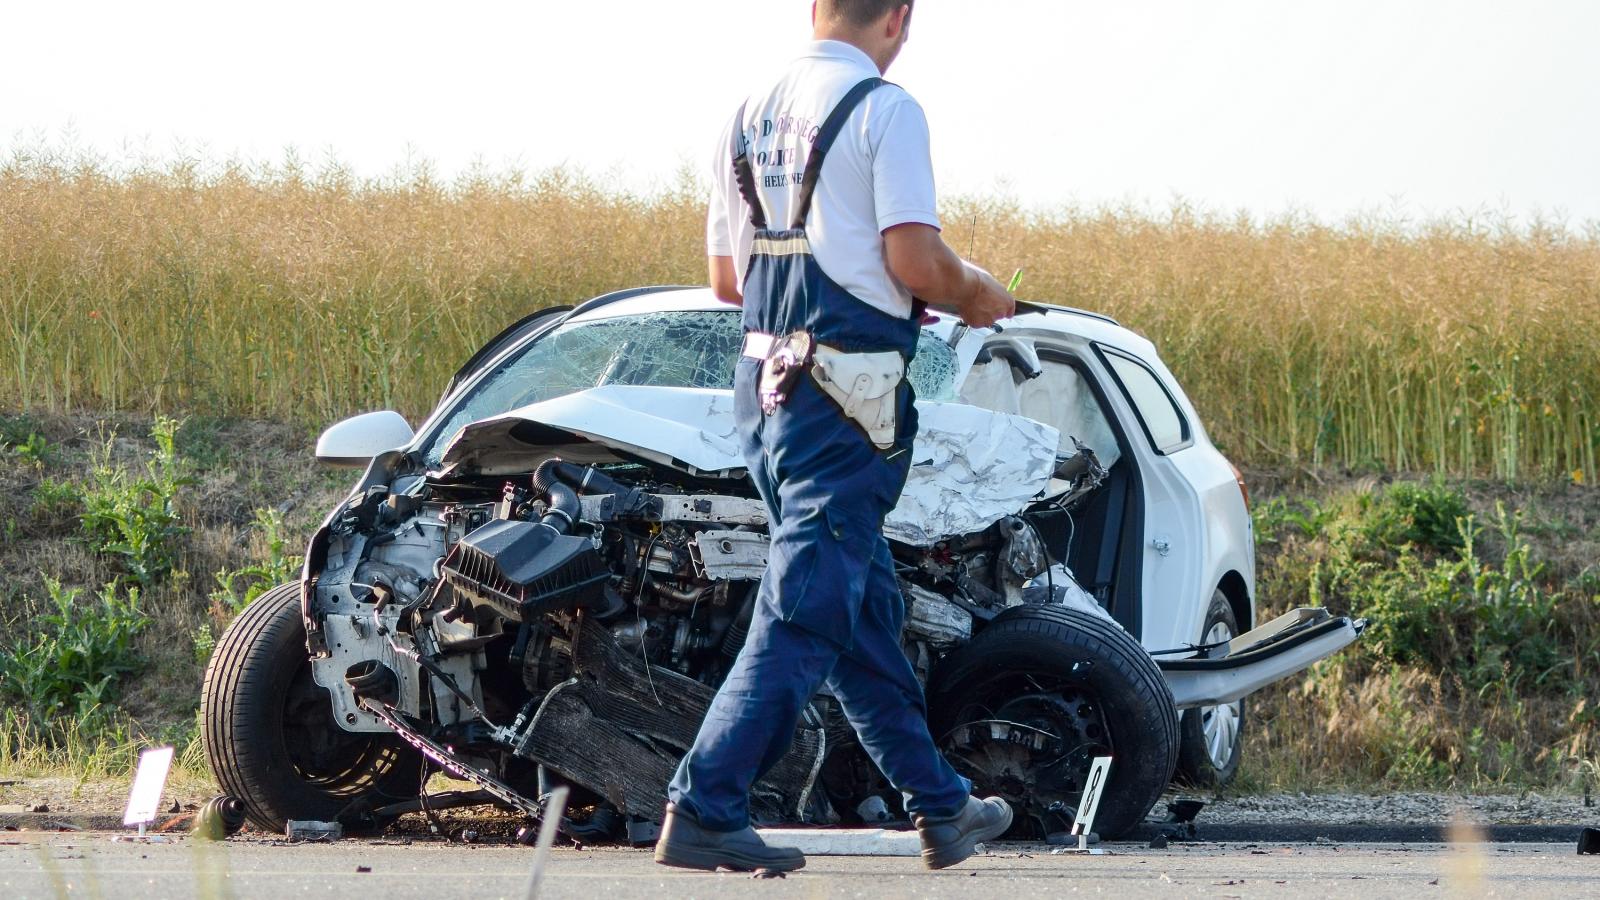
(861,13)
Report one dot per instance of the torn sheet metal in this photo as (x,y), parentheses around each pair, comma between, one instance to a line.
(970,468)
(1068,593)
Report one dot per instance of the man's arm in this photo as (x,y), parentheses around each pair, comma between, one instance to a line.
(724,280)
(721,242)
(925,264)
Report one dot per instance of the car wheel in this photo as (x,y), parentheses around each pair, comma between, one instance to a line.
(1025,707)
(269,731)
(1213,736)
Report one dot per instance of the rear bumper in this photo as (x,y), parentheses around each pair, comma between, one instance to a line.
(1281,648)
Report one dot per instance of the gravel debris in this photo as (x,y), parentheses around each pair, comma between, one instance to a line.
(1398,808)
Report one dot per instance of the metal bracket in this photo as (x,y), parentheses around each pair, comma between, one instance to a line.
(447,761)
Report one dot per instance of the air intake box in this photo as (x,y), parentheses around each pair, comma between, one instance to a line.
(523,570)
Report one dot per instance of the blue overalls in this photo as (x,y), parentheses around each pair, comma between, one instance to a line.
(829,609)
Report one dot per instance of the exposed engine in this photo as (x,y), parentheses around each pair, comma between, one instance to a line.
(574,623)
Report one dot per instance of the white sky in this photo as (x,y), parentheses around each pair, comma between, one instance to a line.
(1410,107)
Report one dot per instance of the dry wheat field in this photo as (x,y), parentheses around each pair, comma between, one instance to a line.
(304,293)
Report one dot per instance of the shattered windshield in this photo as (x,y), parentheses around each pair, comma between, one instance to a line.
(673,348)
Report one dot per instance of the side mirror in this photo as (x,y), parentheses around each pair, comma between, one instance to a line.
(355,441)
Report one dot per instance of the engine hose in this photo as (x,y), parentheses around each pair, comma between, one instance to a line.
(564,503)
(586,479)
(739,629)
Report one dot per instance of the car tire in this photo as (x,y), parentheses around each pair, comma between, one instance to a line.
(1083,687)
(270,735)
(1212,741)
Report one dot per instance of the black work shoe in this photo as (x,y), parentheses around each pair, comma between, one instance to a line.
(686,845)
(949,840)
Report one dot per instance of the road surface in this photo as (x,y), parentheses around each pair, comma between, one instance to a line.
(36,864)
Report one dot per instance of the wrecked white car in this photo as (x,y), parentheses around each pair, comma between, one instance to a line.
(545,584)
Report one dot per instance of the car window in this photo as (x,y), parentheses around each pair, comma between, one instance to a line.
(670,348)
(665,349)
(1163,422)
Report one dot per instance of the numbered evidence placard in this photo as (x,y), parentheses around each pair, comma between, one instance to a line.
(1089,803)
(144,801)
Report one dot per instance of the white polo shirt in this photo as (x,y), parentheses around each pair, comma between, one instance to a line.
(877,175)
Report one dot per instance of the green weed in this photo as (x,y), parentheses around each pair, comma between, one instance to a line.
(133,516)
(1478,667)
(71,663)
(237,588)
(1426,514)
(56,501)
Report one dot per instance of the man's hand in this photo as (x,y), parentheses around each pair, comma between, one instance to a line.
(989,302)
(919,257)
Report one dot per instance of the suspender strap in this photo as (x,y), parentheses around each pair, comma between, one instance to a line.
(825,138)
(744,175)
(746,178)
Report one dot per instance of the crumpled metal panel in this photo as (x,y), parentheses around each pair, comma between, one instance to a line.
(674,426)
(970,468)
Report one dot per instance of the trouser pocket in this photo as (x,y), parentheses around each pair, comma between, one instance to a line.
(819,567)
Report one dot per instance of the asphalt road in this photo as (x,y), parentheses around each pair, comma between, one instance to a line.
(90,864)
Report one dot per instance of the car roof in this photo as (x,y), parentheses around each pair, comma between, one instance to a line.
(1061,319)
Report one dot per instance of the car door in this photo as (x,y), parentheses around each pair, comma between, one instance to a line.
(1174,539)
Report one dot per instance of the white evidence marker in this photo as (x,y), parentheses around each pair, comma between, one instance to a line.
(144,800)
(1088,805)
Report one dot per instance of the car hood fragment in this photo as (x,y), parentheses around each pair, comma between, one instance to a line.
(694,430)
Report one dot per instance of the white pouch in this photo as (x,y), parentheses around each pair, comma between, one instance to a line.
(863,384)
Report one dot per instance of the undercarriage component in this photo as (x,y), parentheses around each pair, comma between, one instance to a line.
(444,759)
(619,729)
(440,803)
(629,773)
(1037,748)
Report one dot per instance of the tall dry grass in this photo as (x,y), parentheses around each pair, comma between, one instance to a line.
(293,293)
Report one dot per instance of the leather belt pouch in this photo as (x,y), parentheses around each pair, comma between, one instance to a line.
(791,355)
(863,384)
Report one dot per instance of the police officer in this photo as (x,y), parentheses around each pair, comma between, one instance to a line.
(823,210)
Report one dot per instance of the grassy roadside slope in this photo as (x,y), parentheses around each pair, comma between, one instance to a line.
(1479,675)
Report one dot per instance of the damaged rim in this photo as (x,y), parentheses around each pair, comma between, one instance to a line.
(1220,724)
(1034,749)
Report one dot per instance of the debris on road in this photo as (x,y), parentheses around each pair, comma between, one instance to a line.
(1184,810)
(307,831)
(219,818)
